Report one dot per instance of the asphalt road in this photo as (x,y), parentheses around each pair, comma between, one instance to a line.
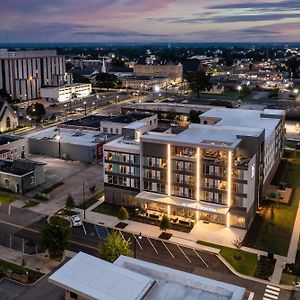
(23,224)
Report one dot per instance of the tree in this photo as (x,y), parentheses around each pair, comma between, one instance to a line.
(114,247)
(165,223)
(54,236)
(238,243)
(70,202)
(80,79)
(37,111)
(199,81)
(5,96)
(194,116)
(123,214)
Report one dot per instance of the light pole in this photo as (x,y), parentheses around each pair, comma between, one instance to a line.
(84,108)
(239,88)
(94,104)
(58,137)
(134,244)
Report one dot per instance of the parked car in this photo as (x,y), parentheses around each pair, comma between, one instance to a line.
(75,221)
(296,284)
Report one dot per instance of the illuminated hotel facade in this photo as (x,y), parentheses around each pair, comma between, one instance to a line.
(214,171)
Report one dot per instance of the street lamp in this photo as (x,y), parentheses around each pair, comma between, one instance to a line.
(84,108)
(296,91)
(157,89)
(134,244)
(58,138)
(94,104)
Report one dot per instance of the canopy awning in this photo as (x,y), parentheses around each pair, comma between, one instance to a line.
(183,203)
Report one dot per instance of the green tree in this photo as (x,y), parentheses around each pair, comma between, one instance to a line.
(238,243)
(80,79)
(165,223)
(123,214)
(199,81)
(54,236)
(5,96)
(36,111)
(70,202)
(114,247)
(194,116)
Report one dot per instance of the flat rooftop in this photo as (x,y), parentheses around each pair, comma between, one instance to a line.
(122,143)
(166,107)
(260,119)
(6,139)
(132,279)
(129,117)
(72,136)
(92,121)
(97,279)
(206,135)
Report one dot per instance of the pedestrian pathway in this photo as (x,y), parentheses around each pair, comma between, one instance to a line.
(37,262)
(271,293)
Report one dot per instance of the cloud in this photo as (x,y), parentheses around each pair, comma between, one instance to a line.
(281,5)
(119,34)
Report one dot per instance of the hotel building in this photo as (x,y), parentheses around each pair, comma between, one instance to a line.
(216,171)
(23,73)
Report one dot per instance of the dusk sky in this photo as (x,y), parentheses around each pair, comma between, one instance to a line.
(149,20)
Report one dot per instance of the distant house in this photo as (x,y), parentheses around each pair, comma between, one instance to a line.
(8,118)
(21,175)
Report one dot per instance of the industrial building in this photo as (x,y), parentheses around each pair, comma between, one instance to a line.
(85,146)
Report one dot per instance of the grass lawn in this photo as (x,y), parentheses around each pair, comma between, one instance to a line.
(107,209)
(288,279)
(5,265)
(6,198)
(247,263)
(91,201)
(276,237)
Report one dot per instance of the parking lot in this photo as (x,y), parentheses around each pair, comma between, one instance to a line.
(153,250)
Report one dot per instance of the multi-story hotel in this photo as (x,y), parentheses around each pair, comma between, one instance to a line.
(23,73)
(216,171)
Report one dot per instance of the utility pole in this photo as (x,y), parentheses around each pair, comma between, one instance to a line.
(83,199)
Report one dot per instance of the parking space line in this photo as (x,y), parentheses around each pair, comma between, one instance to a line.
(122,234)
(152,245)
(168,249)
(184,254)
(201,258)
(137,242)
(83,227)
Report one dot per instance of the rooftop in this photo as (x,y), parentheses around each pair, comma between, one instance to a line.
(196,134)
(92,121)
(256,119)
(97,279)
(18,167)
(132,279)
(72,136)
(129,117)
(6,139)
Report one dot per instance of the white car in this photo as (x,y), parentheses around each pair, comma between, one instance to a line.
(75,221)
(296,284)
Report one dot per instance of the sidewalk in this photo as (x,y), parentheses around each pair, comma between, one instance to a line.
(37,262)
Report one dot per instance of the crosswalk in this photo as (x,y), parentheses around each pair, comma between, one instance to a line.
(271,293)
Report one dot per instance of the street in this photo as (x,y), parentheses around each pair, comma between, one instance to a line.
(25,226)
